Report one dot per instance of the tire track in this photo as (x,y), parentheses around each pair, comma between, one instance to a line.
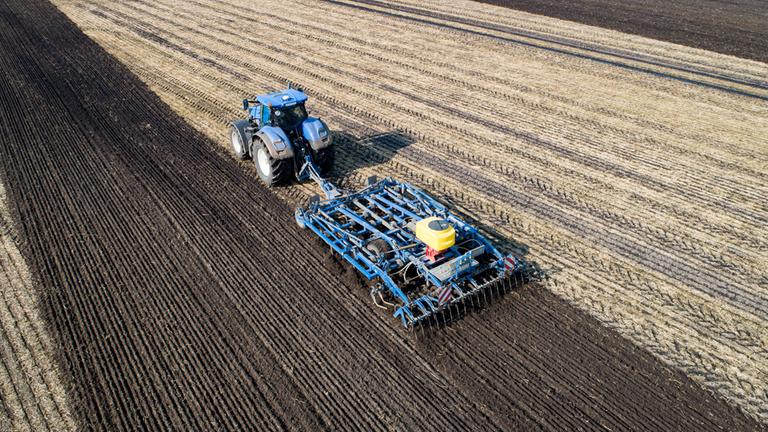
(755,90)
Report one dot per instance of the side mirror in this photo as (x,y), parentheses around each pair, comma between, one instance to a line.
(245,104)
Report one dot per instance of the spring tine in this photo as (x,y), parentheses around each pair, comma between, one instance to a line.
(434,320)
(465,305)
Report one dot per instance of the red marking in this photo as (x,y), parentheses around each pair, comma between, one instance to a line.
(432,254)
(444,295)
(511,263)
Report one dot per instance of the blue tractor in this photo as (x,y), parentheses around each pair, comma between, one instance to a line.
(280,137)
(422,261)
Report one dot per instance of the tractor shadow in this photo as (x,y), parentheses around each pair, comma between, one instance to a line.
(354,153)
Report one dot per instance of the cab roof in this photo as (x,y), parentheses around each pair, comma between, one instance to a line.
(283,98)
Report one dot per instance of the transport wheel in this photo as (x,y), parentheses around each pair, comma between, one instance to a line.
(324,159)
(238,147)
(271,171)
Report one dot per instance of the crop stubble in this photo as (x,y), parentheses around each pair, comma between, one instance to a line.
(645,192)
(174,308)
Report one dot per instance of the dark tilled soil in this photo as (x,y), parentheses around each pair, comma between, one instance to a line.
(738,27)
(181,294)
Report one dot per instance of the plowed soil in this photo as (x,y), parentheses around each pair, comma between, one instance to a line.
(182,296)
(738,28)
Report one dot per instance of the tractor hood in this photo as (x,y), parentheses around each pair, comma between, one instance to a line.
(316,133)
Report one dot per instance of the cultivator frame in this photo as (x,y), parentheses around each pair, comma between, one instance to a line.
(373,229)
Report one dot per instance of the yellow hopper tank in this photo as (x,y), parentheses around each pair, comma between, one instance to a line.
(436,233)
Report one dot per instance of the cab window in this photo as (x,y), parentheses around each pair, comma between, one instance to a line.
(265,115)
(256,113)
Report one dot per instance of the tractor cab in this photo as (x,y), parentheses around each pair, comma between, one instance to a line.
(283,109)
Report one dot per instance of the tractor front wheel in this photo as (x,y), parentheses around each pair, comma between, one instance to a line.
(271,171)
(238,146)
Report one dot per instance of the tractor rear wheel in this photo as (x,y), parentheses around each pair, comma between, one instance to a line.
(238,146)
(272,171)
(324,159)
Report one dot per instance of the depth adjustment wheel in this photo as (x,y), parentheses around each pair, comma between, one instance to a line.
(271,171)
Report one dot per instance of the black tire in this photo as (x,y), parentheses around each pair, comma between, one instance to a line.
(238,146)
(378,247)
(324,159)
(271,171)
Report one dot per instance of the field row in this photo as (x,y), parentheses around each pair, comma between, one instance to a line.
(735,28)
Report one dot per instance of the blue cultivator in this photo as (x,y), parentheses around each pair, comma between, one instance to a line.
(422,260)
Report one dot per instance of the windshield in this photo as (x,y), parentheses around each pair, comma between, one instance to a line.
(289,118)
